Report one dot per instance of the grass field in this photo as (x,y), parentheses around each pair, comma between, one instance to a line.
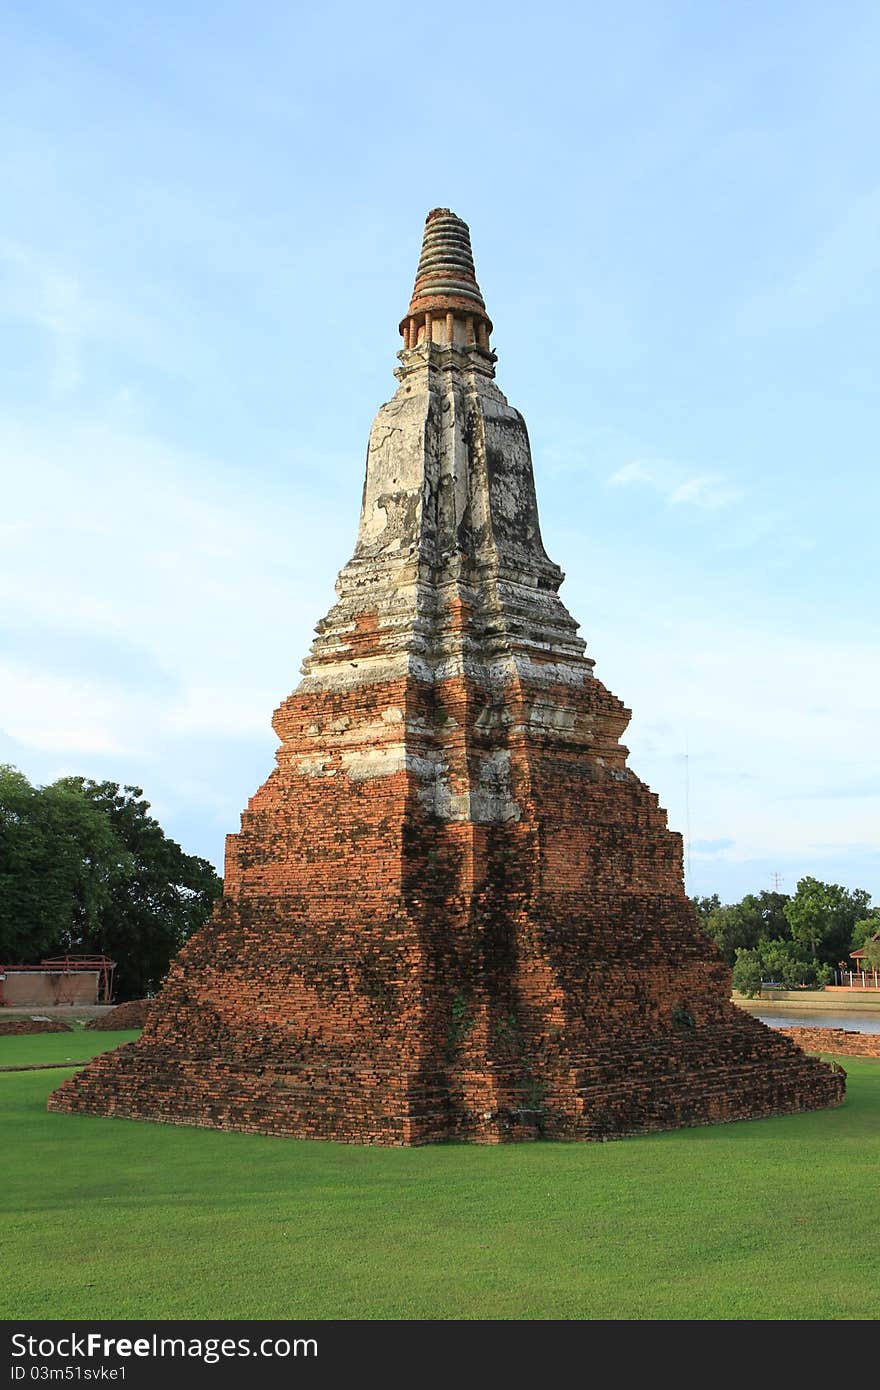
(112,1218)
(43,1048)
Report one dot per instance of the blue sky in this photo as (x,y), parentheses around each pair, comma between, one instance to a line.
(212,217)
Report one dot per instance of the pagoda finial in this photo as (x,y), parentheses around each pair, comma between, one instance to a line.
(446,307)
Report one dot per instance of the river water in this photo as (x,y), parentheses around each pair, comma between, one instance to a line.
(854,1020)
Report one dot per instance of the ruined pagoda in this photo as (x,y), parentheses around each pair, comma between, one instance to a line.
(452,911)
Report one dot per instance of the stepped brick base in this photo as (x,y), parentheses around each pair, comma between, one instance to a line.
(375,975)
(732,1074)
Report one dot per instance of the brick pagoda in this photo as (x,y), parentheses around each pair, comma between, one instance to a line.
(452,911)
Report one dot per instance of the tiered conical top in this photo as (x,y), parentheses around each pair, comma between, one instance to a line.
(446,305)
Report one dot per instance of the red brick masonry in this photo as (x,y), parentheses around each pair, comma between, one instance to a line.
(130,1015)
(835,1040)
(18,1026)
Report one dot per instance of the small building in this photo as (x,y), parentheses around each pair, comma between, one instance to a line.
(861,974)
(73,980)
(859,955)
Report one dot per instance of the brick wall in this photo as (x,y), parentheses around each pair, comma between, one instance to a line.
(17,1026)
(838,1040)
(45,989)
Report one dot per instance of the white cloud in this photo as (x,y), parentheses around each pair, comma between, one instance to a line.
(759,712)
(182,591)
(707,491)
(38,291)
(61,714)
(634,472)
(77,306)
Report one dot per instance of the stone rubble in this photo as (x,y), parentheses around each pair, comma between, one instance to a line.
(133,1014)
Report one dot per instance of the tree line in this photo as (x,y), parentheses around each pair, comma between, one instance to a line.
(793,939)
(85,869)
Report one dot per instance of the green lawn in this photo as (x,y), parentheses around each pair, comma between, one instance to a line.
(112,1218)
(41,1048)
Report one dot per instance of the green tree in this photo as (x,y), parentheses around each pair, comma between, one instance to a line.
(60,864)
(871,957)
(867,927)
(704,906)
(162,898)
(759,917)
(787,962)
(822,917)
(747,972)
(866,937)
(85,868)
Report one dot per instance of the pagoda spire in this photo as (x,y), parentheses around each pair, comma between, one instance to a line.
(449,517)
(446,307)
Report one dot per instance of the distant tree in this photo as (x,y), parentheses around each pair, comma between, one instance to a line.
(822,917)
(28,916)
(60,864)
(767,910)
(793,940)
(866,937)
(162,898)
(747,973)
(85,868)
(704,906)
(871,957)
(865,928)
(779,962)
(787,962)
(742,926)
(721,926)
